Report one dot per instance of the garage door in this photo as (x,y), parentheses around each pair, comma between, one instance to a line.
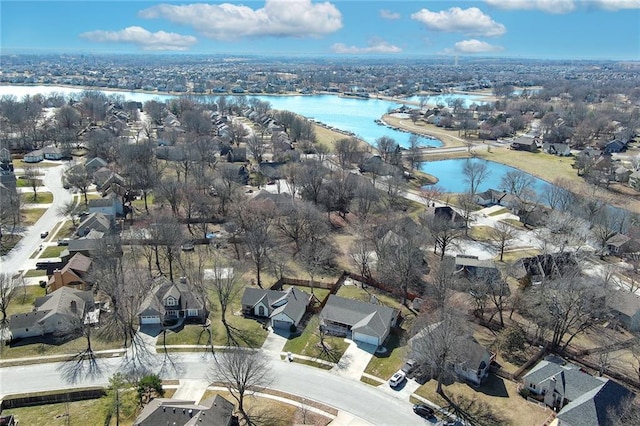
(364,338)
(282,325)
(150,320)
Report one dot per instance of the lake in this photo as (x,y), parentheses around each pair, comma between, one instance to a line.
(350,114)
(451,178)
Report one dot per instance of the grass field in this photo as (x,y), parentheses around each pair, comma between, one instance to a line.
(31,216)
(24,298)
(308,344)
(25,183)
(52,251)
(383,365)
(41,198)
(35,273)
(499,396)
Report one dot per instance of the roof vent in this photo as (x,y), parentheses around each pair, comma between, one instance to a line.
(183,280)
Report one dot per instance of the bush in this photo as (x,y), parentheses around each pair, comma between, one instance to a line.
(292,328)
(524,392)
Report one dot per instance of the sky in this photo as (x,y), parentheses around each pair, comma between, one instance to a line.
(537,29)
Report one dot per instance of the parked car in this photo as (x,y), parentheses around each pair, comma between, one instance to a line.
(423,410)
(409,367)
(187,247)
(397,379)
(44,234)
(63,242)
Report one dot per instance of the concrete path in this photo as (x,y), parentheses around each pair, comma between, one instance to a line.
(346,419)
(354,360)
(191,389)
(273,344)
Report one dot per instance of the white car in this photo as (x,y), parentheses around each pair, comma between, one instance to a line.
(397,379)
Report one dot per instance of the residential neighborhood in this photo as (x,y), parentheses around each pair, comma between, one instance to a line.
(155,252)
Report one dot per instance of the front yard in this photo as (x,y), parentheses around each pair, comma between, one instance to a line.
(496,402)
(308,343)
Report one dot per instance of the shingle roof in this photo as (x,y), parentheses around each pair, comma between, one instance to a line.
(358,314)
(292,302)
(595,408)
(164,411)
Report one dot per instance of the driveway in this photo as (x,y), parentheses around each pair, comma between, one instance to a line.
(191,390)
(273,344)
(18,258)
(354,360)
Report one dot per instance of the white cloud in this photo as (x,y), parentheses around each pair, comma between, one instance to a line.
(616,4)
(387,14)
(475,46)
(145,39)
(374,46)
(278,18)
(563,6)
(470,21)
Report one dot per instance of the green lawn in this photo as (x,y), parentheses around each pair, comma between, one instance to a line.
(52,251)
(35,273)
(69,347)
(21,164)
(41,198)
(80,413)
(24,298)
(31,216)
(498,212)
(384,365)
(480,233)
(66,230)
(25,183)
(320,293)
(308,344)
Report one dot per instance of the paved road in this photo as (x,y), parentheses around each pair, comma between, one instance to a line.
(18,258)
(358,399)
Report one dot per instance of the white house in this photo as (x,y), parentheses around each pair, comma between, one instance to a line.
(283,309)
(34,156)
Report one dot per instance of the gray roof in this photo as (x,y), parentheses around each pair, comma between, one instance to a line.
(292,302)
(570,380)
(183,292)
(596,407)
(96,220)
(164,411)
(361,316)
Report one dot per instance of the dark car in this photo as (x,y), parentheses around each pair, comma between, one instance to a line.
(63,242)
(44,234)
(423,410)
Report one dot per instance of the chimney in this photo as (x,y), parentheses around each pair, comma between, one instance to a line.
(183,280)
(57,278)
(74,306)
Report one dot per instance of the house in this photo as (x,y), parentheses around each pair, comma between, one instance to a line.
(94,165)
(474,362)
(471,267)
(96,220)
(284,309)
(360,321)
(52,153)
(447,214)
(73,274)
(625,307)
(87,245)
(59,312)
(5,155)
(216,411)
(170,301)
(34,156)
(615,146)
(582,399)
(110,206)
(490,197)
(553,265)
(560,149)
(618,244)
(525,143)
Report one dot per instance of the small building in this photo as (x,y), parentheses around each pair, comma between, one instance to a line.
(579,398)
(93,165)
(560,149)
(359,321)
(60,313)
(170,301)
(525,143)
(625,307)
(95,221)
(52,153)
(34,156)
(110,206)
(283,309)
(618,244)
(216,411)
(614,147)
(73,274)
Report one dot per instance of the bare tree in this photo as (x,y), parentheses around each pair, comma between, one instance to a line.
(414,156)
(79,177)
(385,146)
(225,281)
(309,179)
(8,291)
(347,150)
(10,215)
(474,174)
(315,254)
(438,343)
(442,231)
(502,234)
(70,210)
(32,176)
(256,147)
(257,219)
(244,373)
